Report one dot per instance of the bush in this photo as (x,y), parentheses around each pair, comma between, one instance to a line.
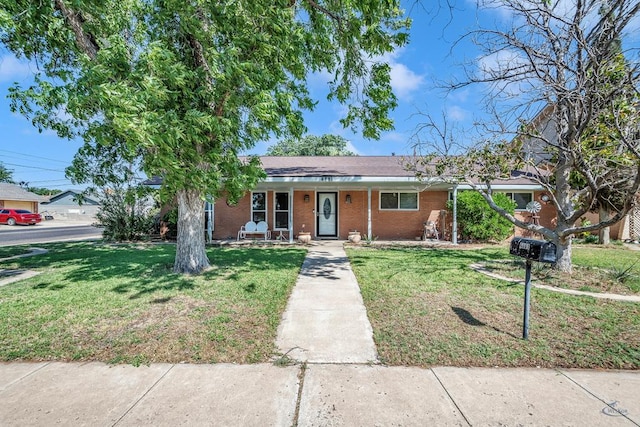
(127,214)
(477,221)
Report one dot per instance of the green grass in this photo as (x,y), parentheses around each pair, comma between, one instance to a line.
(122,304)
(427,307)
(9,251)
(611,269)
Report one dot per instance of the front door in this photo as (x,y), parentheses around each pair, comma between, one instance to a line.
(327,213)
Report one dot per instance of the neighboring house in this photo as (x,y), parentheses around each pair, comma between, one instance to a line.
(15,197)
(332,196)
(65,205)
(628,228)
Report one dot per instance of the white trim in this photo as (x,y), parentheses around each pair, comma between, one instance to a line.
(504,187)
(266,204)
(348,179)
(281,210)
(369,222)
(417,193)
(521,192)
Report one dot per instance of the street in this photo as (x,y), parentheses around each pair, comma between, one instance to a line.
(39,233)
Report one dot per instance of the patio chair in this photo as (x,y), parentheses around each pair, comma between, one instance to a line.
(249,227)
(252,228)
(430,230)
(263,228)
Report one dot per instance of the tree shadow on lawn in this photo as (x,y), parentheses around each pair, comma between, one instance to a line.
(146,269)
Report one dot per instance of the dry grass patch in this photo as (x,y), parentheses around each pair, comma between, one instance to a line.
(427,307)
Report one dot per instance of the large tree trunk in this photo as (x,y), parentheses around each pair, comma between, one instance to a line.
(564,211)
(191,256)
(604,235)
(563,252)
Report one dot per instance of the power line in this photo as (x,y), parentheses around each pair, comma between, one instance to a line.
(35,157)
(34,167)
(50,180)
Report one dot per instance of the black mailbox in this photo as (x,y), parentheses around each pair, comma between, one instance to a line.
(534,250)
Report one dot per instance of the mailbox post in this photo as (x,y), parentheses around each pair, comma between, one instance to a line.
(531,250)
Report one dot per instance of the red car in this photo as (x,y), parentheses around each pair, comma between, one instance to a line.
(19,216)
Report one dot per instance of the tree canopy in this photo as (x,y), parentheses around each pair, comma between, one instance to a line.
(188,85)
(311,145)
(6,175)
(569,67)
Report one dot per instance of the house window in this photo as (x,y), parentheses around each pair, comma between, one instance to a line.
(281,210)
(521,199)
(399,201)
(258,206)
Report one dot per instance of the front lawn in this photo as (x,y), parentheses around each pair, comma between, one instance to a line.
(122,304)
(427,307)
(595,269)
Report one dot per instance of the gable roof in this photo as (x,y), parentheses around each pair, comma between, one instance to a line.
(71,194)
(15,192)
(336,166)
(352,172)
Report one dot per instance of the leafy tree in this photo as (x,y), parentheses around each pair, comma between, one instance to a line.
(311,145)
(478,221)
(42,191)
(128,210)
(188,85)
(583,146)
(6,175)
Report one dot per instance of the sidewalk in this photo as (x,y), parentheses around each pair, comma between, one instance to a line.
(339,385)
(325,320)
(95,394)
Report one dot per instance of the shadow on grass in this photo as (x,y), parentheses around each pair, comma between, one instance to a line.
(142,269)
(471,320)
(467,317)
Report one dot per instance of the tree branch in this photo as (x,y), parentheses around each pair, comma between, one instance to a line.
(86,42)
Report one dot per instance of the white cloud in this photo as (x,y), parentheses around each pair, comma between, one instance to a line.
(404,81)
(352,148)
(394,136)
(457,114)
(495,66)
(11,68)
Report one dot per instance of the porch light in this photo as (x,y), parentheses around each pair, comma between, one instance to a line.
(306,198)
(348,198)
(545,198)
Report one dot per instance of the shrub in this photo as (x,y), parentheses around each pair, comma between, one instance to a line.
(477,221)
(126,214)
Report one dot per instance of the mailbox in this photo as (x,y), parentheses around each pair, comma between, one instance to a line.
(534,250)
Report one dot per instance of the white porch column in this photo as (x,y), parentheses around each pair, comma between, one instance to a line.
(291,215)
(209,206)
(454,227)
(369,229)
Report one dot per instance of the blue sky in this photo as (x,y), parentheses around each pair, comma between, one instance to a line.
(40,158)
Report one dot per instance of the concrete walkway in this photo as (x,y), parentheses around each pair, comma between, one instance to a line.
(95,394)
(338,386)
(325,320)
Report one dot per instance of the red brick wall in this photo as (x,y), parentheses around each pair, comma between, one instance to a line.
(352,216)
(303,212)
(386,224)
(405,224)
(228,219)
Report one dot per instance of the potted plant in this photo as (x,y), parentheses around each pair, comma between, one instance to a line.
(354,236)
(304,236)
